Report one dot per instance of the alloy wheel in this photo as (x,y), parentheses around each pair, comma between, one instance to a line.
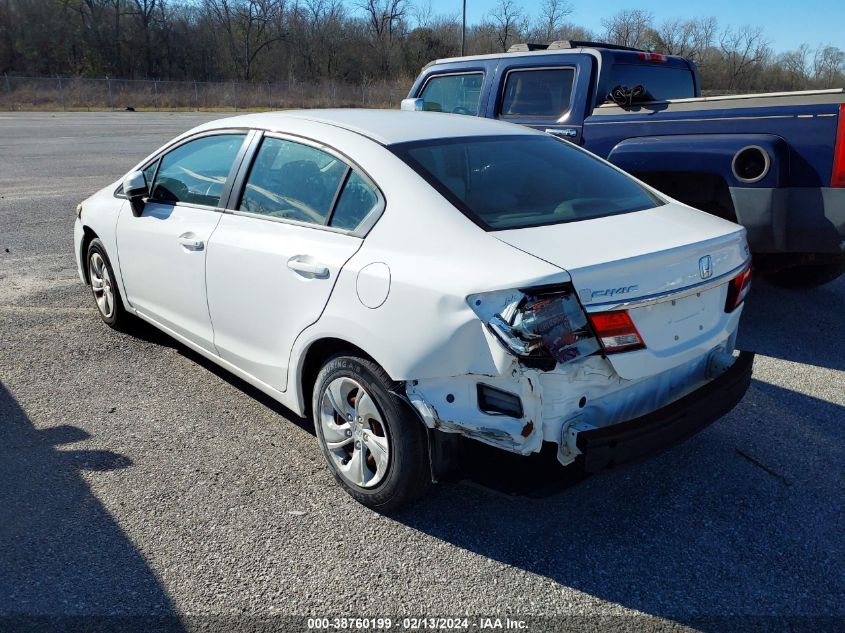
(101,284)
(354,433)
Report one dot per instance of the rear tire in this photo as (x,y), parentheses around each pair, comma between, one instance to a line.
(374,444)
(104,287)
(809,275)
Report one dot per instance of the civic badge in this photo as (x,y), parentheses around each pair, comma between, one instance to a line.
(705,267)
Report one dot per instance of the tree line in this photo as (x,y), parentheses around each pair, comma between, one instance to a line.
(361,41)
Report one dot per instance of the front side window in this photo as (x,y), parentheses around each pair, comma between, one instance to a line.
(545,92)
(510,182)
(458,94)
(196,172)
(150,172)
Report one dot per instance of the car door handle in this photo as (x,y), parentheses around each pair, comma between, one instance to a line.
(191,242)
(305,266)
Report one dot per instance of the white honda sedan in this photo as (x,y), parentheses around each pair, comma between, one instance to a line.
(408,279)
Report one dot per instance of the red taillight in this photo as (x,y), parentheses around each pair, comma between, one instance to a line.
(651,57)
(837,179)
(616,331)
(738,289)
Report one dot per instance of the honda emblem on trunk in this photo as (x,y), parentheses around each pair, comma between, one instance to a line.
(705,267)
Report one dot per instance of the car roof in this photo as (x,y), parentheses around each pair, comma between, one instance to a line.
(512,55)
(383,126)
(612,52)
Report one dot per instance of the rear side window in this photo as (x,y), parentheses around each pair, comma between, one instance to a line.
(510,182)
(544,93)
(660,82)
(458,94)
(293,181)
(356,201)
(196,172)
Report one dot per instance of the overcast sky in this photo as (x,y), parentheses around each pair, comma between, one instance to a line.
(787,23)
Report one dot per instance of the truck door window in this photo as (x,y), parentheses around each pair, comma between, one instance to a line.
(456,93)
(537,93)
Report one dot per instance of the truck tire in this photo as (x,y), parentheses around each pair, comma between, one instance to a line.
(809,275)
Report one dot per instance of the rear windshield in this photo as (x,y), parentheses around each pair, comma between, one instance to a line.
(508,182)
(660,82)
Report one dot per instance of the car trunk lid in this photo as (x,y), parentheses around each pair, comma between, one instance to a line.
(669,266)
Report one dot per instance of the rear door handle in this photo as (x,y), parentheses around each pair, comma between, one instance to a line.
(191,242)
(303,265)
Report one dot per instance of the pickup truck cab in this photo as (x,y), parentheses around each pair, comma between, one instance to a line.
(772,162)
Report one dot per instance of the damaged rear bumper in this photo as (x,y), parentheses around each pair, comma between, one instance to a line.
(645,436)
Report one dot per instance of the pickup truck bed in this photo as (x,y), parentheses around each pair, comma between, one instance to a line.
(679,144)
(773,162)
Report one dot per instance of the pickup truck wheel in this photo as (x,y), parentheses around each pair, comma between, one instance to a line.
(809,275)
(374,445)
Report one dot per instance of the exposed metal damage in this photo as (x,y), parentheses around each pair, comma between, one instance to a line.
(557,404)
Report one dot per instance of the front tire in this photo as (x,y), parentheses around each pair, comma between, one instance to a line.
(373,443)
(104,286)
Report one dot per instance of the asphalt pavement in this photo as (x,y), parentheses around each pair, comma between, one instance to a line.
(138,480)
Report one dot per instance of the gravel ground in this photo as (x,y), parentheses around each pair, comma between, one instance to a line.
(136,479)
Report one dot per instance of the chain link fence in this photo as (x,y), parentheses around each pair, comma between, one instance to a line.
(78,93)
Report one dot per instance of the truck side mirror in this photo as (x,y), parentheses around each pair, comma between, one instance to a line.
(413,105)
(135,190)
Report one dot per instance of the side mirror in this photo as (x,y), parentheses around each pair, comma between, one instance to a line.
(413,105)
(135,189)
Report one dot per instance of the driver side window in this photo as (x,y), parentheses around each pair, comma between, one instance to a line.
(196,172)
(458,94)
(292,181)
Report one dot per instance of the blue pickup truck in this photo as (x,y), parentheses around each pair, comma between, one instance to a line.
(772,162)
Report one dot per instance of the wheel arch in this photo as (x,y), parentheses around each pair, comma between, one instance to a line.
(313,359)
(88,236)
(442,448)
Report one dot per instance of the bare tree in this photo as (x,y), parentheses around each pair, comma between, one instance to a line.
(8,52)
(552,19)
(692,39)
(742,49)
(630,27)
(385,19)
(249,27)
(423,14)
(316,27)
(509,21)
(144,11)
(829,66)
(704,35)
(796,66)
